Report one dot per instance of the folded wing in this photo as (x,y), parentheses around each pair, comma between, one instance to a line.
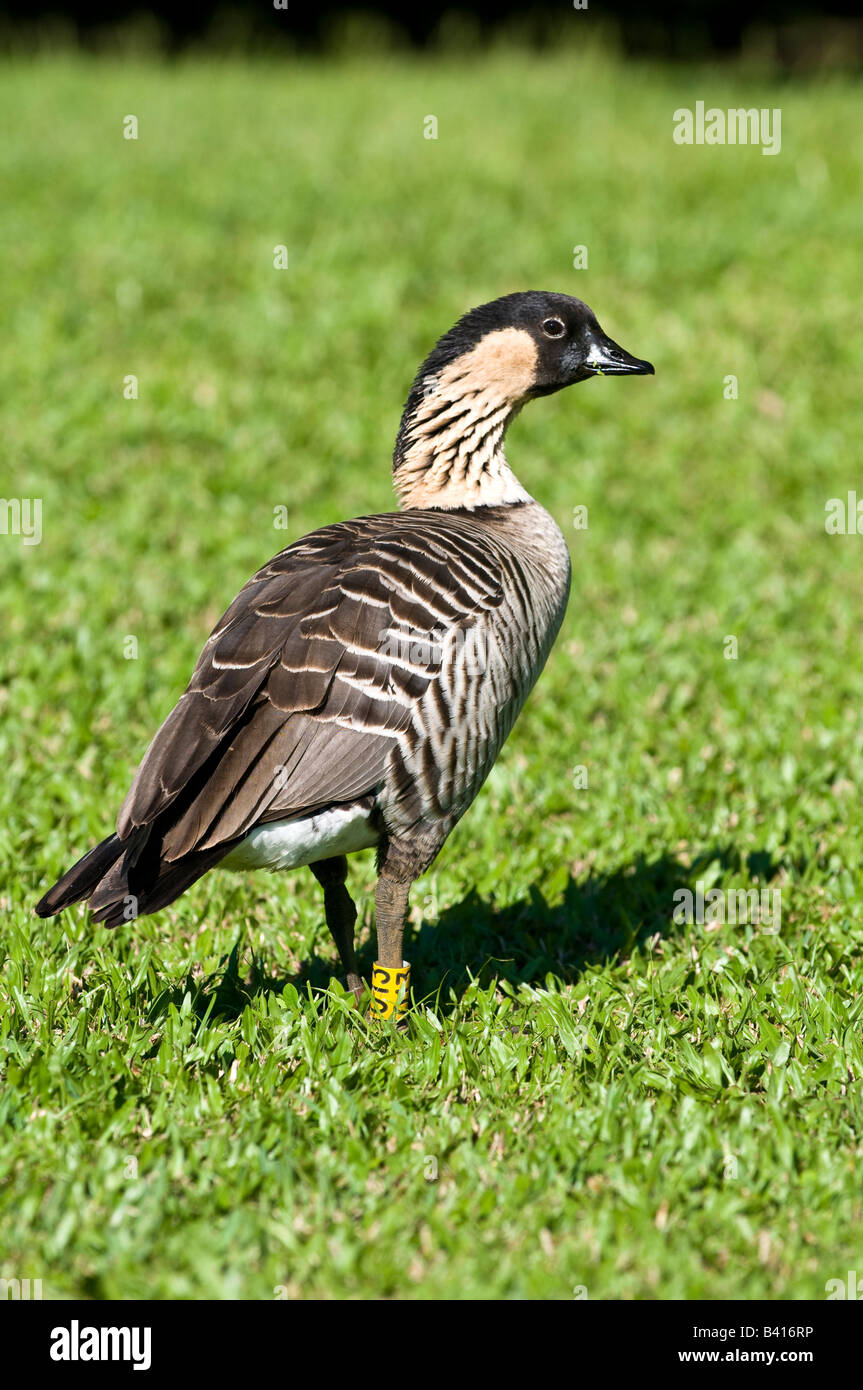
(308,681)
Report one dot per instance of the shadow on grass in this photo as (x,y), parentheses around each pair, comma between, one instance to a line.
(595,920)
(604,917)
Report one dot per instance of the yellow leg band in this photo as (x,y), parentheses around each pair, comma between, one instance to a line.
(391,987)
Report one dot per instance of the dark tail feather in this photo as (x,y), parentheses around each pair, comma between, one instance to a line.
(124,895)
(123,881)
(78,883)
(121,886)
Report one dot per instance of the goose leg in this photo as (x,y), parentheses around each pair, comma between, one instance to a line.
(341,914)
(391,908)
(391,976)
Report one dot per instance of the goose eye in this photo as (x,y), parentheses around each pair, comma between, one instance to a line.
(553,328)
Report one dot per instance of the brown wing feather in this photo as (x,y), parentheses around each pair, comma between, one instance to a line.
(295,702)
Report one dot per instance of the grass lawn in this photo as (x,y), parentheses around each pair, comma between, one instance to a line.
(590,1096)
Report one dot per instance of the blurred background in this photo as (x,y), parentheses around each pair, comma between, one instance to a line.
(797,35)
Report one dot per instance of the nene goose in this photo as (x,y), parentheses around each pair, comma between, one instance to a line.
(359,688)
